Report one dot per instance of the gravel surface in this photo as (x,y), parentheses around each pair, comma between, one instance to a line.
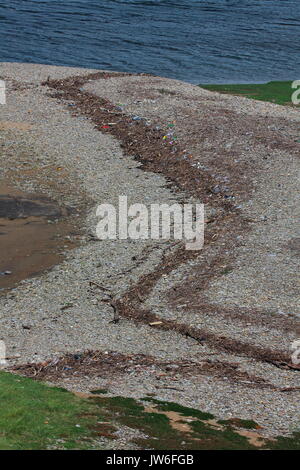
(240,289)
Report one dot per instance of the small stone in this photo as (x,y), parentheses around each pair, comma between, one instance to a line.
(172,367)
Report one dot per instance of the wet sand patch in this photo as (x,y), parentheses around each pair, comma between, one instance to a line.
(33,233)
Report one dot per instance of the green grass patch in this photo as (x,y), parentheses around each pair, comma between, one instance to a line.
(286,443)
(211,438)
(274,92)
(183,410)
(239,423)
(36,416)
(99,391)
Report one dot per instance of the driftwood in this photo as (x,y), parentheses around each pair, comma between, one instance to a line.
(283,365)
(111,300)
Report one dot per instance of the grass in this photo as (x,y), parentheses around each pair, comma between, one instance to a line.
(240,423)
(274,92)
(161,435)
(286,443)
(183,410)
(100,391)
(34,415)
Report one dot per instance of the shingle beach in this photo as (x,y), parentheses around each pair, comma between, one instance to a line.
(223,318)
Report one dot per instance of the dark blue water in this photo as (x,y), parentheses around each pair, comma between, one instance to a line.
(197,41)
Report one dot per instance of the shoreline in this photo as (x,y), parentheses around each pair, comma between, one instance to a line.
(235,315)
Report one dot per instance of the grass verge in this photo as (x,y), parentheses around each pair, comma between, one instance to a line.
(274,92)
(34,415)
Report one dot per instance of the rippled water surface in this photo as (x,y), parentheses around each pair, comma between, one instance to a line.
(198,41)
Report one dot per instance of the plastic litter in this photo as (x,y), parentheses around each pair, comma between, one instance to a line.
(170,135)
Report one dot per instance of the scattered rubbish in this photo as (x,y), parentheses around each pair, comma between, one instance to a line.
(172,367)
(110,299)
(216,189)
(170,136)
(154,323)
(136,118)
(77,357)
(5,273)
